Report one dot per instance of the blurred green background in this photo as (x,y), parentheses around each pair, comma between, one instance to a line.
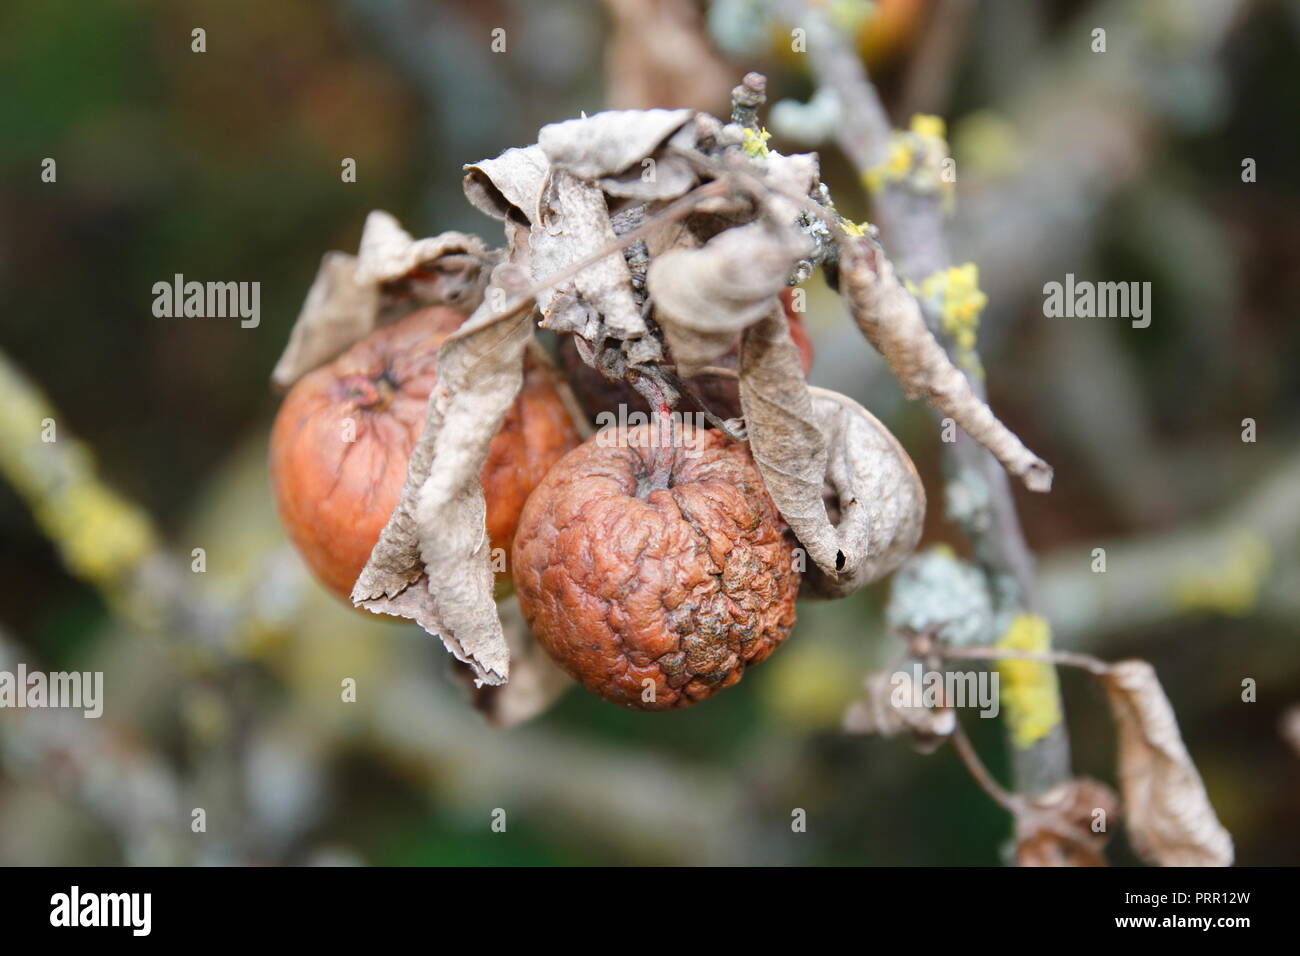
(225,165)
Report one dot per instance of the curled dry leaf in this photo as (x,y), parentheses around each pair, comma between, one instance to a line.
(573,224)
(877,499)
(338,313)
(889,706)
(555,220)
(811,445)
(1170,819)
(1058,828)
(432,562)
(704,296)
(789,177)
(392,276)
(785,439)
(610,142)
(389,252)
(509,185)
(536,682)
(890,318)
(656,179)
(561,186)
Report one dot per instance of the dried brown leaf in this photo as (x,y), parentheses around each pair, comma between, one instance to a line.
(1056,828)
(339,312)
(508,186)
(703,297)
(554,221)
(785,438)
(842,482)
(608,143)
(352,294)
(878,501)
(657,178)
(1170,819)
(891,319)
(788,177)
(573,224)
(432,562)
(389,252)
(536,682)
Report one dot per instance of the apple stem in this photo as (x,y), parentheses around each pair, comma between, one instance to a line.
(663,453)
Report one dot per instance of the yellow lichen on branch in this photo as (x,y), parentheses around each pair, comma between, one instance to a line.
(99,534)
(1029,691)
(955,296)
(914,160)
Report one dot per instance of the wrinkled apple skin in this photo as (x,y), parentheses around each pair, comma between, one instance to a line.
(343,436)
(655,598)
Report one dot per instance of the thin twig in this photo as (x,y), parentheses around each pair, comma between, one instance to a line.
(1006,800)
(1067,658)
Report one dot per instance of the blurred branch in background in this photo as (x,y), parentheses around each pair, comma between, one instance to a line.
(104,768)
(100,536)
(107,541)
(112,545)
(930,72)
(659,57)
(1245,562)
